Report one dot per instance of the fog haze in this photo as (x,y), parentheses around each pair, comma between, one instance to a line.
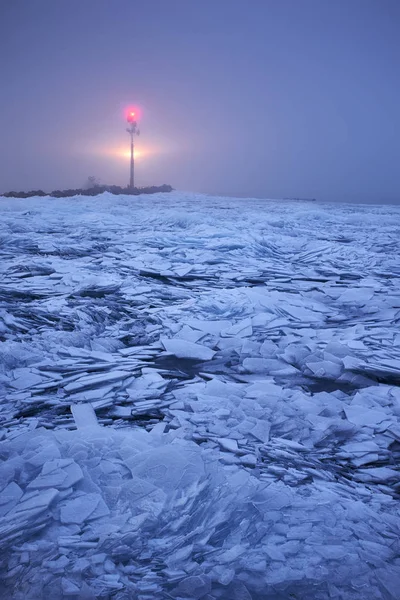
(260,98)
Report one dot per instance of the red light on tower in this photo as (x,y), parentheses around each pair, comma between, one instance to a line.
(132,113)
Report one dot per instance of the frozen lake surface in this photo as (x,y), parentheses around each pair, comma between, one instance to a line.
(199,399)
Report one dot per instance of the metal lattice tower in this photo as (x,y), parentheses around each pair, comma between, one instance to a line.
(132,130)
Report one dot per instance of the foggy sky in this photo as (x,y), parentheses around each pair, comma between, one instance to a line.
(267,98)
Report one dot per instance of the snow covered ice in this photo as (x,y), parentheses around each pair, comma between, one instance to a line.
(199,399)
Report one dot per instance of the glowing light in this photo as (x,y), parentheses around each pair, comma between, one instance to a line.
(125,153)
(116,152)
(132,113)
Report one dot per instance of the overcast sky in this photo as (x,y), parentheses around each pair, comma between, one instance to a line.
(267,98)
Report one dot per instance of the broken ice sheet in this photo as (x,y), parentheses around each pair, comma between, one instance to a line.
(285,461)
(241,329)
(189,334)
(83,508)
(96,380)
(84,415)
(24,379)
(170,470)
(185,349)
(360,415)
(150,385)
(61,473)
(9,497)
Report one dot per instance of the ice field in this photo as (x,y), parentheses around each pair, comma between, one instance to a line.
(199,399)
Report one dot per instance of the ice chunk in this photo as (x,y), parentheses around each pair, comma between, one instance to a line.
(189,334)
(275,553)
(381,474)
(266,365)
(61,474)
(168,468)
(222,413)
(25,379)
(359,448)
(228,444)
(261,431)
(158,429)
(274,497)
(9,497)
(248,460)
(389,576)
(84,415)
(33,503)
(193,587)
(266,388)
(47,450)
(136,489)
(300,313)
(261,319)
(184,349)
(325,368)
(250,348)
(241,329)
(96,380)
(69,587)
(213,327)
(149,385)
(330,552)
(83,508)
(357,295)
(360,415)
(337,349)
